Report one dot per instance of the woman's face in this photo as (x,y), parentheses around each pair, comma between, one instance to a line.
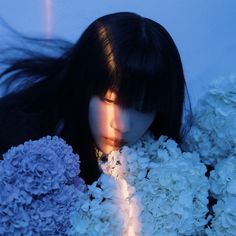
(112,126)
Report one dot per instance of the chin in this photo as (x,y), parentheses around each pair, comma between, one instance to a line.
(107,149)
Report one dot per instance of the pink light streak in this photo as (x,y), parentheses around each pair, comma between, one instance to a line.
(48,18)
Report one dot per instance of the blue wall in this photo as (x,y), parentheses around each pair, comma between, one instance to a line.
(204,30)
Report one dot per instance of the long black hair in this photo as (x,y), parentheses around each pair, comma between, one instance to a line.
(125,52)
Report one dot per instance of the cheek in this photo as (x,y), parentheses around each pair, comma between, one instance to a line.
(143,121)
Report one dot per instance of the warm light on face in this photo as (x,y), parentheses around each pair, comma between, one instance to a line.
(113,126)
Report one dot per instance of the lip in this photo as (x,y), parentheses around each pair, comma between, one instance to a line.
(115,142)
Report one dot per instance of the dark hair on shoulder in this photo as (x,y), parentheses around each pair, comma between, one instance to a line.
(130,54)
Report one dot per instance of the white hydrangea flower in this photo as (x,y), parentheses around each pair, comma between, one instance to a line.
(224,222)
(213,134)
(151,188)
(223,188)
(99,215)
(223,178)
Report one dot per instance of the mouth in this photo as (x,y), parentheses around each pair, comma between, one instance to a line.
(117,143)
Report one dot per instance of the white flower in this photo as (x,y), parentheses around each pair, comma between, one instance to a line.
(223,188)
(151,188)
(223,178)
(224,222)
(213,134)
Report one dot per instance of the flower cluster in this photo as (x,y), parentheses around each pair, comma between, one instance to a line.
(223,188)
(213,134)
(99,215)
(151,188)
(39,184)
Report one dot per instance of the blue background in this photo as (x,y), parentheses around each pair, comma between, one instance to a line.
(204,30)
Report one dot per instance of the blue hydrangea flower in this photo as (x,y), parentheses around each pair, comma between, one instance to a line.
(39,185)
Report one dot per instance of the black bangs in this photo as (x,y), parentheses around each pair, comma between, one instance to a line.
(139,81)
(142,79)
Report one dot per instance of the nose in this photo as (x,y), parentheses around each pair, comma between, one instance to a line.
(121,120)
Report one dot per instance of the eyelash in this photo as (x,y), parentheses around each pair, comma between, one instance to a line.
(108,101)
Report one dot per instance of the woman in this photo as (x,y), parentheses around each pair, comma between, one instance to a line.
(123,77)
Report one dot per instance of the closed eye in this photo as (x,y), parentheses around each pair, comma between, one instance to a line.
(109,101)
